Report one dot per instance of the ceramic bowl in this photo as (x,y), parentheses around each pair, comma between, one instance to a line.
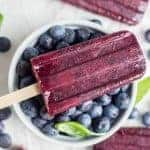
(29,41)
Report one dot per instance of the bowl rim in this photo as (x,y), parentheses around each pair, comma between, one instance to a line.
(11,86)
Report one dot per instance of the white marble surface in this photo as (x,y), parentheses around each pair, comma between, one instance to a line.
(21,18)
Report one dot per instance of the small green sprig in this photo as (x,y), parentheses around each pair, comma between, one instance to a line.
(142,89)
(75,129)
(1,19)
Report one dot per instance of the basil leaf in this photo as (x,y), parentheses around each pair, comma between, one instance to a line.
(1,19)
(75,129)
(142,89)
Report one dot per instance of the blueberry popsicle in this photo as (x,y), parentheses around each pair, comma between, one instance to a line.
(127,11)
(84,71)
(127,139)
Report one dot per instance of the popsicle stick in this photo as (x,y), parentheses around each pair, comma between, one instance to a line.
(19,95)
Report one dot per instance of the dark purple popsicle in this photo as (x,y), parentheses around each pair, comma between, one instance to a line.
(66,77)
(127,11)
(127,139)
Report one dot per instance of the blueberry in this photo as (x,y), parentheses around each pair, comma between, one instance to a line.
(29,108)
(5,140)
(148,54)
(125,88)
(70,111)
(147,35)
(38,122)
(36,103)
(76,114)
(23,68)
(85,119)
(102,125)
(5,44)
(115,92)
(91,31)
(49,130)
(122,101)
(82,34)
(30,52)
(62,118)
(96,21)
(69,36)
(40,101)
(54,44)
(104,100)
(86,106)
(57,32)
(134,114)
(45,41)
(5,113)
(61,44)
(1,126)
(96,111)
(146,119)
(41,49)
(26,81)
(97,34)
(111,111)
(44,114)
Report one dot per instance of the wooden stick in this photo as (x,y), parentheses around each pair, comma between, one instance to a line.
(19,95)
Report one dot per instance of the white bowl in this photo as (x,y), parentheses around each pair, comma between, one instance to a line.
(29,41)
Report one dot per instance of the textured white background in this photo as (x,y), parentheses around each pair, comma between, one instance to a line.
(21,18)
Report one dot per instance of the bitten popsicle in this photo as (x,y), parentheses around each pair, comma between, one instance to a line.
(84,71)
(127,11)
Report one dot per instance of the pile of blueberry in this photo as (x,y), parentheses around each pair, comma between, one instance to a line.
(98,115)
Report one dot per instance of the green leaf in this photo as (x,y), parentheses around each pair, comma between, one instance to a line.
(142,89)
(1,19)
(75,129)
